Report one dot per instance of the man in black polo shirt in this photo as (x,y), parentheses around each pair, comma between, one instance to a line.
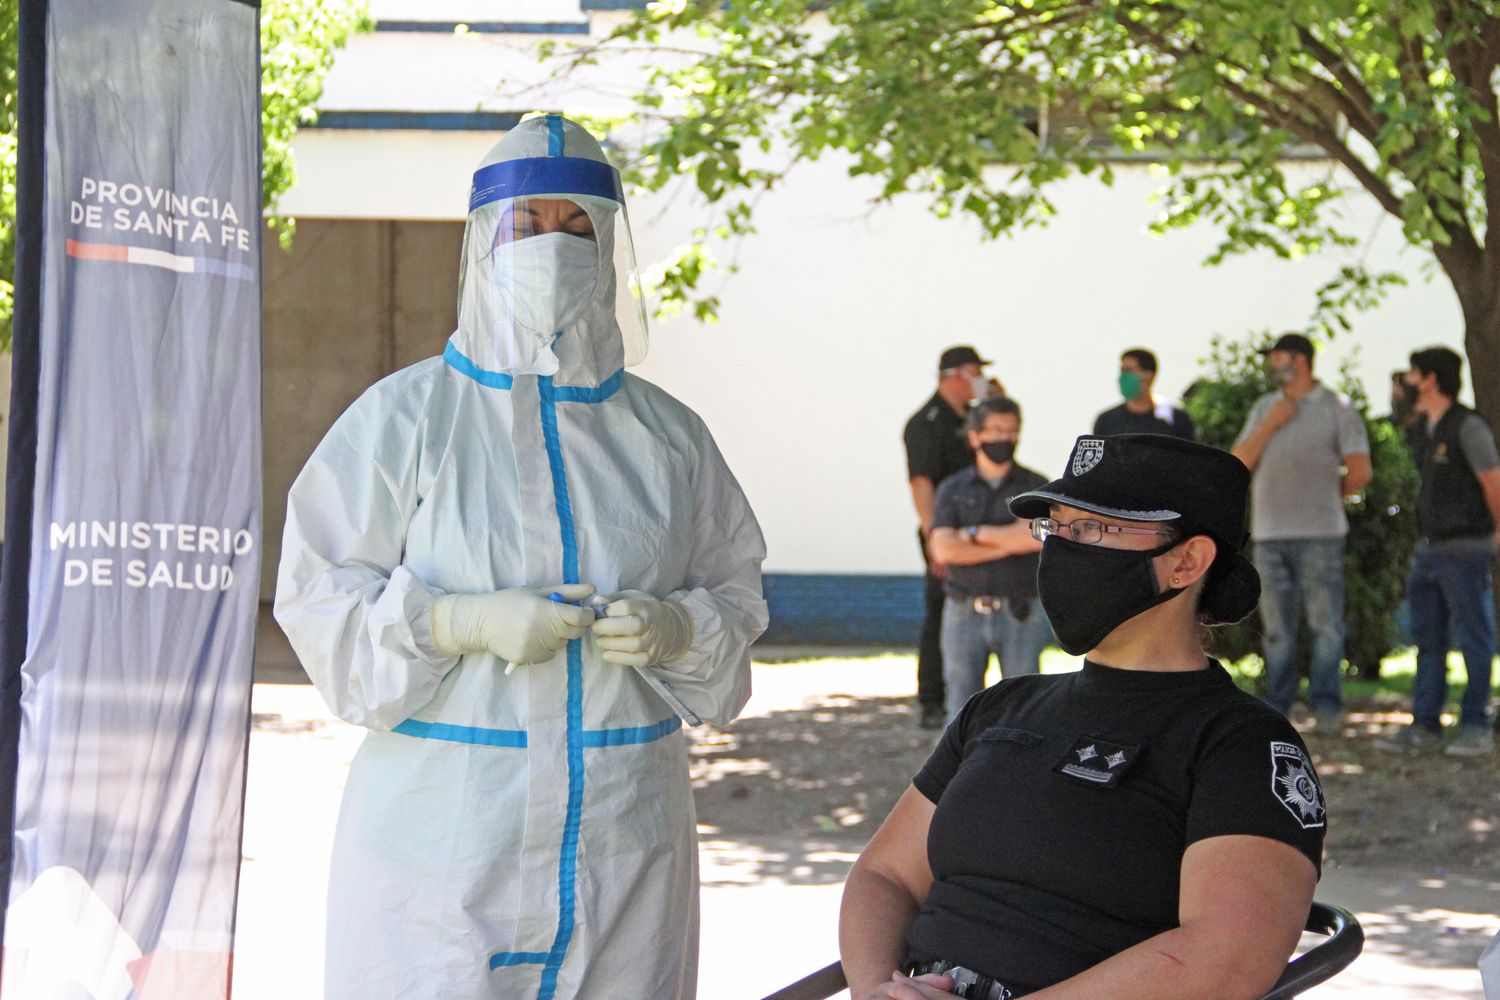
(991,557)
(1458,517)
(1142,413)
(935,449)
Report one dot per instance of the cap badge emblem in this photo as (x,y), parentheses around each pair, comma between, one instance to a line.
(1089,453)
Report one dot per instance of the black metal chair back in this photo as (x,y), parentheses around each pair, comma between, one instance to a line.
(1346,939)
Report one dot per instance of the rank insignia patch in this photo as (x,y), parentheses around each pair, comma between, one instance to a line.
(1097,762)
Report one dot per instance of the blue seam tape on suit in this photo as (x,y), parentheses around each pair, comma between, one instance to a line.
(631,735)
(505,959)
(567,869)
(554,135)
(462,364)
(473,735)
(622,736)
(584,393)
(577,738)
(456,360)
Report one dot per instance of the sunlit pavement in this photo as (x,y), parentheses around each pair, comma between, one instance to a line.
(1424,935)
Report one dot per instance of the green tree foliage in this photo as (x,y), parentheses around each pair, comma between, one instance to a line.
(297,42)
(1382,526)
(9,29)
(982,105)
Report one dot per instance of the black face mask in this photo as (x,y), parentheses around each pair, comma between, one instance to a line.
(1088,590)
(998,452)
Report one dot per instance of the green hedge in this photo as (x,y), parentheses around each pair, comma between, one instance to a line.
(1382,527)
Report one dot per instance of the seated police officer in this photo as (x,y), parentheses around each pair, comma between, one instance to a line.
(1138,829)
(991,602)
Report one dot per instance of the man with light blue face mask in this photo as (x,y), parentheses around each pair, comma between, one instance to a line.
(519,820)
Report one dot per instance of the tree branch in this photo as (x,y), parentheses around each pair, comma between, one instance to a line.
(1473,61)
(1319,133)
(1360,99)
(1325,139)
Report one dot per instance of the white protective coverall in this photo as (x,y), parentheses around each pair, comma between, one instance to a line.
(531,834)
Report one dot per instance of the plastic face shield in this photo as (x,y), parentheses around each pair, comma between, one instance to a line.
(548,256)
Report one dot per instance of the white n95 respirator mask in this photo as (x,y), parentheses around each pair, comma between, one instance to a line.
(546,281)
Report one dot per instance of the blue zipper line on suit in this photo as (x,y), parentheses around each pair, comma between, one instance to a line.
(577,738)
(567,869)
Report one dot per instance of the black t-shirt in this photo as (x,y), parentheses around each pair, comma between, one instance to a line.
(936,446)
(965,499)
(1164,419)
(1065,803)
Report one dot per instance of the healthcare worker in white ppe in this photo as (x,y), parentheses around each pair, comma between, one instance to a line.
(518,821)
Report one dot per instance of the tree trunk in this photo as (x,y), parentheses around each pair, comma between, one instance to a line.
(1482,345)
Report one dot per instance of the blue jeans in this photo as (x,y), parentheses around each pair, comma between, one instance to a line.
(1297,575)
(1451,605)
(969,637)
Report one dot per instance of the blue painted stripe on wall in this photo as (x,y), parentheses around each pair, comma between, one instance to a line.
(488,27)
(423,121)
(843,609)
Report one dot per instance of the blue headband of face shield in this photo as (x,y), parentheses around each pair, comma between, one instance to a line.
(556,176)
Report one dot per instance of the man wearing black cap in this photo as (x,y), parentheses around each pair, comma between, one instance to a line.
(936,448)
(1306,449)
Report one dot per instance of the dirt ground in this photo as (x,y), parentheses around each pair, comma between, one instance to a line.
(822,776)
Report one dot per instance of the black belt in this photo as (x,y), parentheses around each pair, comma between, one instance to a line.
(966,982)
(988,604)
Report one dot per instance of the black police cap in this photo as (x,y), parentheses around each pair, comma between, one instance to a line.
(1192,487)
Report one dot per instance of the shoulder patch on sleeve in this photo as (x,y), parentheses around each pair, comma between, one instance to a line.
(1294,781)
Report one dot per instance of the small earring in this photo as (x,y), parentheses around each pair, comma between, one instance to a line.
(1174,581)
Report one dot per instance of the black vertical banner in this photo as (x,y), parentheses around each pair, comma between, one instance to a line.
(133,522)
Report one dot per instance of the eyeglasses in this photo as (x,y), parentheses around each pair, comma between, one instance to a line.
(1085,530)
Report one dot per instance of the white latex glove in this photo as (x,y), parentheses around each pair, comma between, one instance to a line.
(519,624)
(638,630)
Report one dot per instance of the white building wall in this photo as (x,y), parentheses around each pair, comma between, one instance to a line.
(830,332)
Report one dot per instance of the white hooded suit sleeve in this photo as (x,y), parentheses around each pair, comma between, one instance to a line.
(722,596)
(358,619)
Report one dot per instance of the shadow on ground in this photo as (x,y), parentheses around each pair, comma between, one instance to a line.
(793,796)
(1437,939)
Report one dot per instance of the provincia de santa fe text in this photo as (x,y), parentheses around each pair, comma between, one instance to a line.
(150,554)
(112,206)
